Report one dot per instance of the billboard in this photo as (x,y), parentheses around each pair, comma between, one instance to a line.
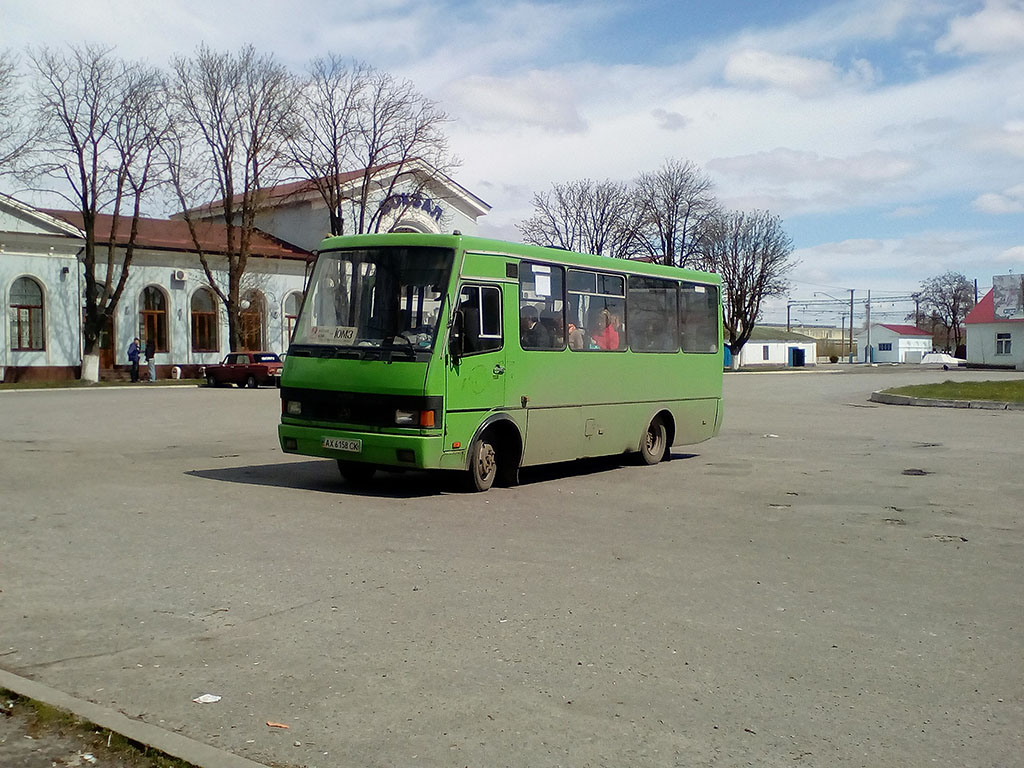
(1008,297)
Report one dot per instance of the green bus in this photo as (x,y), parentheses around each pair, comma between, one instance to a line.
(423,351)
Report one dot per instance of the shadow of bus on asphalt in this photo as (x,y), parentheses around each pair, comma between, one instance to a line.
(321,475)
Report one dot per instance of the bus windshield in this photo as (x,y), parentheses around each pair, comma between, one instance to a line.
(375,298)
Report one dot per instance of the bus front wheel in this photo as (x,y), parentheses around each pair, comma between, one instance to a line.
(483,464)
(652,449)
(356,473)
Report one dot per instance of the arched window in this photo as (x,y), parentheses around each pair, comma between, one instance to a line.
(292,302)
(204,321)
(153,318)
(253,312)
(27,315)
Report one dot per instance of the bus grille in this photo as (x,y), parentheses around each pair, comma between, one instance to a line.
(357,408)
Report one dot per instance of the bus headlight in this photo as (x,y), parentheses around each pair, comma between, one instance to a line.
(293,408)
(414,418)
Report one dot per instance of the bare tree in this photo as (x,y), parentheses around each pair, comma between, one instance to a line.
(16,135)
(234,113)
(100,120)
(586,216)
(752,253)
(323,145)
(395,126)
(356,118)
(949,297)
(677,208)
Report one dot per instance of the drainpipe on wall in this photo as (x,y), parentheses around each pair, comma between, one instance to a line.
(78,302)
(6,342)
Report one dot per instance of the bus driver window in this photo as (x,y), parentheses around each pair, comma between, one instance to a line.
(480,306)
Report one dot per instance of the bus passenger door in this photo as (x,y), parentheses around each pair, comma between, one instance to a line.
(476,382)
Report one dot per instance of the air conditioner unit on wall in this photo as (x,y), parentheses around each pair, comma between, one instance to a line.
(178,274)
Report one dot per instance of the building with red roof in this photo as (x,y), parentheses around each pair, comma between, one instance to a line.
(995,327)
(168,295)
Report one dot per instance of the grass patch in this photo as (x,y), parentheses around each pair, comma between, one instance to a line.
(1011,391)
(63,734)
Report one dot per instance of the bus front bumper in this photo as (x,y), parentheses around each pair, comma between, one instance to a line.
(383,449)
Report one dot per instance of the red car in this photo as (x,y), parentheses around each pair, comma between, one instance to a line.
(246,369)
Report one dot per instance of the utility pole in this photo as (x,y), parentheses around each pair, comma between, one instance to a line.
(851,326)
(867,325)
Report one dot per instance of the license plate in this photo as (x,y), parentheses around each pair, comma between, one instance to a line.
(343,444)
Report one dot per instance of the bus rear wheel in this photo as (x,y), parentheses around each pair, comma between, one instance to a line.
(652,449)
(356,473)
(483,464)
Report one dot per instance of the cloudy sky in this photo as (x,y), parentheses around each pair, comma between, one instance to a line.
(887,134)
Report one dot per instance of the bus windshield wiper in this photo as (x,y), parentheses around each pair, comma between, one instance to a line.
(406,347)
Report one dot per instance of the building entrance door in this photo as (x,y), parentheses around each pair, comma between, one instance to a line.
(106,346)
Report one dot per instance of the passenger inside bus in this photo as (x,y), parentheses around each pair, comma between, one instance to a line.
(532,334)
(552,321)
(606,334)
(575,337)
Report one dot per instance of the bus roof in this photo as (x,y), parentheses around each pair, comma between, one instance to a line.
(502,247)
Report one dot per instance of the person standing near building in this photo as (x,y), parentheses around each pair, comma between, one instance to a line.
(151,358)
(133,358)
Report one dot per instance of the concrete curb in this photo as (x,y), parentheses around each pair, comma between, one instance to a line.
(171,744)
(927,402)
(109,387)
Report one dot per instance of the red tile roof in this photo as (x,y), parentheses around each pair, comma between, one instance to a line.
(297,189)
(173,235)
(905,330)
(985,312)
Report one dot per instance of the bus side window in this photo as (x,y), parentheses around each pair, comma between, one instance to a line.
(653,314)
(596,310)
(698,317)
(541,306)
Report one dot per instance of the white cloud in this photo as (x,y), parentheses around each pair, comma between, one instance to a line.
(1014,255)
(996,28)
(798,181)
(803,76)
(910,212)
(794,165)
(670,121)
(1008,201)
(1005,139)
(896,264)
(537,99)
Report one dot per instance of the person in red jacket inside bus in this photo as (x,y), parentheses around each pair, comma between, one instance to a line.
(607,334)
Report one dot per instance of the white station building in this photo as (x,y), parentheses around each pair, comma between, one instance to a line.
(167,296)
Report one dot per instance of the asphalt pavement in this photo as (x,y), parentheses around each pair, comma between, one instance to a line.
(831,581)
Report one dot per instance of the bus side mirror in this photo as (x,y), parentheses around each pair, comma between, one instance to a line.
(456,336)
